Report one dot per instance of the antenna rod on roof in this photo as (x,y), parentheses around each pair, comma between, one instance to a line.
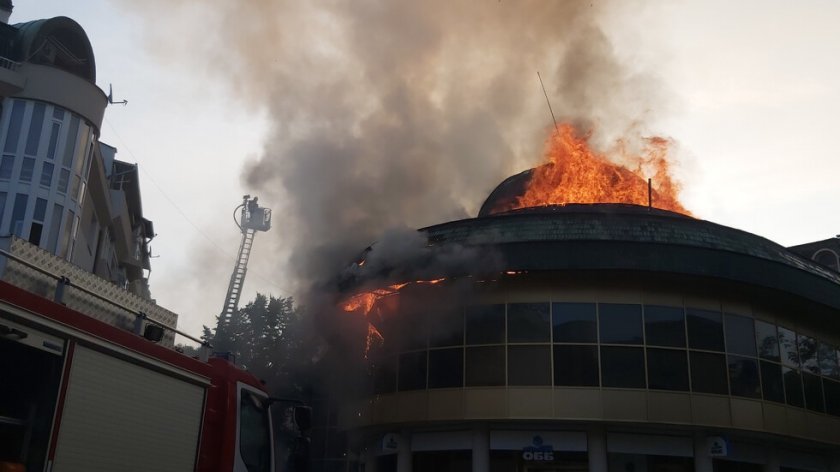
(650,194)
(549,103)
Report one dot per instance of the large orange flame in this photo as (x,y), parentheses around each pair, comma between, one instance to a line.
(367,303)
(574,173)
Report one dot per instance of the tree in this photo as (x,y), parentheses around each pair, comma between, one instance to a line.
(269,337)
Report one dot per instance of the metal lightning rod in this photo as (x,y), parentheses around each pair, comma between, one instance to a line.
(549,103)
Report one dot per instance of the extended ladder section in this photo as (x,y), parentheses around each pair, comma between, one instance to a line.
(237,279)
(252,218)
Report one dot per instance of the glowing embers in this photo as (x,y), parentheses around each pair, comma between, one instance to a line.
(574,173)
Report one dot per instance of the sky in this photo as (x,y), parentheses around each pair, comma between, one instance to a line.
(751,103)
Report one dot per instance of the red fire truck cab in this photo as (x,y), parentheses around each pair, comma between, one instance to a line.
(77,394)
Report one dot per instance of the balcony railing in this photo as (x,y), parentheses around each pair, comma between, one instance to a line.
(33,269)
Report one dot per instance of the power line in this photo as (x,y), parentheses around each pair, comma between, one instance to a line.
(160,190)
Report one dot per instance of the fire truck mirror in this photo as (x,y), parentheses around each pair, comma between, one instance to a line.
(303,418)
(153,333)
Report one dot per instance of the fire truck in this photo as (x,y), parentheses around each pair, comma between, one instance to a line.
(78,394)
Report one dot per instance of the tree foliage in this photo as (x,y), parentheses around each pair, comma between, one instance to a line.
(269,338)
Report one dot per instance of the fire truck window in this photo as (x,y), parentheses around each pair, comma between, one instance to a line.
(412,372)
(664,326)
(771,382)
(767,340)
(485,324)
(708,373)
(574,322)
(446,368)
(622,367)
(485,366)
(619,323)
(832,397)
(667,369)
(575,365)
(705,329)
(787,347)
(740,335)
(793,387)
(808,354)
(828,360)
(528,322)
(743,377)
(529,365)
(254,439)
(813,392)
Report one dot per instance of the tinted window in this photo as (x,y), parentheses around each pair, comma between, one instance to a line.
(832,397)
(254,433)
(771,382)
(708,373)
(808,354)
(529,365)
(767,340)
(7,163)
(528,322)
(813,392)
(412,332)
(622,367)
(743,377)
(385,376)
(447,329)
(37,123)
(485,324)
(485,366)
(664,326)
(46,174)
(56,127)
(14,127)
(740,335)
(705,329)
(788,348)
(18,213)
(412,373)
(26,169)
(619,323)
(793,387)
(574,322)
(446,368)
(828,360)
(575,365)
(667,369)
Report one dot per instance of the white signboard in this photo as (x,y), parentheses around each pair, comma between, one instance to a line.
(717,446)
(390,442)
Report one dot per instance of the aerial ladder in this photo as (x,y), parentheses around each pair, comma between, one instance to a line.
(252,218)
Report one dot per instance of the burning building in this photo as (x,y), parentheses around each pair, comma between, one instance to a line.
(598,336)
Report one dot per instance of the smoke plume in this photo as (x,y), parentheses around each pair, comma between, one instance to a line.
(396,114)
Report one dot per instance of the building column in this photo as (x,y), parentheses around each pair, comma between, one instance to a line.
(702,460)
(481,450)
(369,455)
(404,453)
(596,442)
(773,464)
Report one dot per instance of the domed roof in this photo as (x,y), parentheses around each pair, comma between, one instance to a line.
(620,237)
(58,42)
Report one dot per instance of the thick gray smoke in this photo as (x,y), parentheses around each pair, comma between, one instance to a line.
(394,113)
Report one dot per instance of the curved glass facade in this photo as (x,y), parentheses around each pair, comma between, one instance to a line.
(611,345)
(44,165)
